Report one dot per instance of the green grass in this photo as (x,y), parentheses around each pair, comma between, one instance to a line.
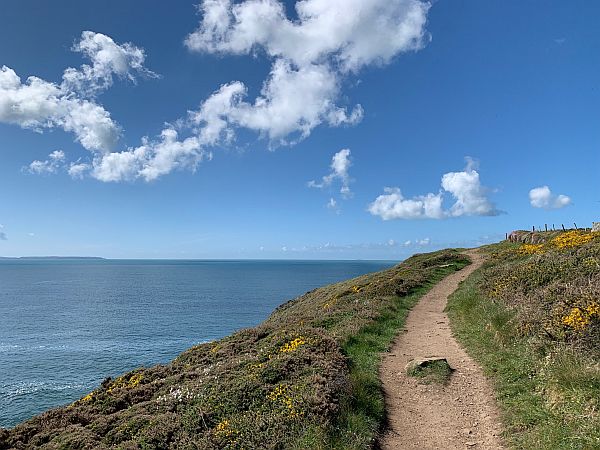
(548,391)
(436,372)
(363,414)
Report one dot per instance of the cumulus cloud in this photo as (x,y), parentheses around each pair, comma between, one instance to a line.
(470,199)
(349,33)
(55,161)
(393,205)
(152,159)
(311,56)
(340,165)
(38,104)
(542,197)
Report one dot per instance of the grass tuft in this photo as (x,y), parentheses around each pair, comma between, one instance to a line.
(435,372)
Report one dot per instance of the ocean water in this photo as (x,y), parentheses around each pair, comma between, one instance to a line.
(65,325)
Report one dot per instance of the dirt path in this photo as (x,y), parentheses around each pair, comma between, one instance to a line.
(459,415)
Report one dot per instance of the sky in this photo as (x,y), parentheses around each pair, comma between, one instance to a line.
(316,129)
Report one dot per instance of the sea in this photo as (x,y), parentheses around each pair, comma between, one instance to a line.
(67,324)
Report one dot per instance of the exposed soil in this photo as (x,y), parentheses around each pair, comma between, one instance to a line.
(460,414)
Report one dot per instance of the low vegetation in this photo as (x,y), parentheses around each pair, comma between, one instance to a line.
(305,378)
(531,316)
(437,372)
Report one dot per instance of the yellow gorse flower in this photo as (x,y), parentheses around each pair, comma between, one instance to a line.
(571,239)
(292,345)
(124,382)
(580,318)
(223,429)
(281,394)
(531,249)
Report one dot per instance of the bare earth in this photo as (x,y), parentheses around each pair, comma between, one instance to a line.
(462,414)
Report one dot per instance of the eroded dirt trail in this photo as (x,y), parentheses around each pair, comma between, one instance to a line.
(459,415)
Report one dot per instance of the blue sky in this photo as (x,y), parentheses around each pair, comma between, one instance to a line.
(512,85)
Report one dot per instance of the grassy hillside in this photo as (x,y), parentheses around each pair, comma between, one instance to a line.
(531,316)
(305,378)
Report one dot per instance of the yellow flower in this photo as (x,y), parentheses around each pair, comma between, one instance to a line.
(128,383)
(571,239)
(292,345)
(577,319)
(223,429)
(531,249)
(593,310)
(281,394)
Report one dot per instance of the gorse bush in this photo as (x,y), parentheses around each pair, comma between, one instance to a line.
(287,383)
(531,318)
(553,287)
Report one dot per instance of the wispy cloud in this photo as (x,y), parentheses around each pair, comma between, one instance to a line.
(53,164)
(3,236)
(340,165)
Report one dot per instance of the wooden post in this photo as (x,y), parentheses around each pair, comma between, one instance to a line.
(534,228)
(546,225)
(563,226)
(506,238)
(553,229)
(575,226)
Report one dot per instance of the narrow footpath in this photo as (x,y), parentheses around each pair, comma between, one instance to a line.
(459,415)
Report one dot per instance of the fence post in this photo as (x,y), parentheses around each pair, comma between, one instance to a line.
(563,226)
(546,225)
(575,226)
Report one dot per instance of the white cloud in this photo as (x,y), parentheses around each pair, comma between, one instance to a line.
(38,105)
(293,101)
(55,161)
(311,56)
(3,236)
(152,159)
(470,199)
(340,165)
(350,33)
(77,170)
(393,205)
(108,58)
(542,197)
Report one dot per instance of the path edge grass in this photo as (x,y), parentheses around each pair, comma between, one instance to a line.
(363,416)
